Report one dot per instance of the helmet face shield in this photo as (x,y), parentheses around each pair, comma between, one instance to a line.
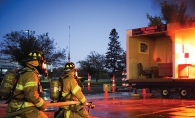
(44,65)
(43,68)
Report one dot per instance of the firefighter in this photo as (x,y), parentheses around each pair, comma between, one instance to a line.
(71,91)
(28,88)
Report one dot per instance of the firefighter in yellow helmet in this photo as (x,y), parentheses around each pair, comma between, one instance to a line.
(28,88)
(71,91)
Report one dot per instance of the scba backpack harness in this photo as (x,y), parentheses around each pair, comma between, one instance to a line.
(8,84)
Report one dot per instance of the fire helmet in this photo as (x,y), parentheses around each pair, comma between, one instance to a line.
(35,55)
(38,55)
(69,66)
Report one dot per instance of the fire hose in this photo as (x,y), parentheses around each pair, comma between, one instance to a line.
(90,106)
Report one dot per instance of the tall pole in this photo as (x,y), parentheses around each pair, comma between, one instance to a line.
(69,46)
(28,33)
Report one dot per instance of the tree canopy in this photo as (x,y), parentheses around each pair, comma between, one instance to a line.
(113,62)
(170,13)
(173,12)
(94,64)
(18,44)
(114,53)
(154,20)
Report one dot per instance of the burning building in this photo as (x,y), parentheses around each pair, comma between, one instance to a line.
(168,51)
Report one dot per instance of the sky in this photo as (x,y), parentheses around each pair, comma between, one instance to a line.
(84,24)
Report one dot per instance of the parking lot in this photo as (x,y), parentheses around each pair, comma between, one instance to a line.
(124,105)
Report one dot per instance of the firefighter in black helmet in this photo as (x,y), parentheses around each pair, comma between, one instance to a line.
(71,91)
(27,91)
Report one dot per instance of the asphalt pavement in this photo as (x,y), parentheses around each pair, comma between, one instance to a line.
(95,96)
(124,105)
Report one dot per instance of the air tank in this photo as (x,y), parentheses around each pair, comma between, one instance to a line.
(7,84)
(54,90)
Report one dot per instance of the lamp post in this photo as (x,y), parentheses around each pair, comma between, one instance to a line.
(28,33)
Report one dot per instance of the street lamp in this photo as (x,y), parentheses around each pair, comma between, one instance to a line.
(28,33)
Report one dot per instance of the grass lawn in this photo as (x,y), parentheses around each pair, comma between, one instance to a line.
(45,83)
(101,82)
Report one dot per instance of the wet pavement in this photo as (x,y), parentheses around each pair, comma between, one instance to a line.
(124,105)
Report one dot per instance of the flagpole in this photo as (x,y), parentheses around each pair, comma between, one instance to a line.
(69,46)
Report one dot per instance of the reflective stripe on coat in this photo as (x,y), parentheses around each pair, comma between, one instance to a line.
(26,92)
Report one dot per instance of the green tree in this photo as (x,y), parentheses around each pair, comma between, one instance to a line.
(154,20)
(114,53)
(122,61)
(94,64)
(97,62)
(173,12)
(18,44)
(85,66)
(169,13)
